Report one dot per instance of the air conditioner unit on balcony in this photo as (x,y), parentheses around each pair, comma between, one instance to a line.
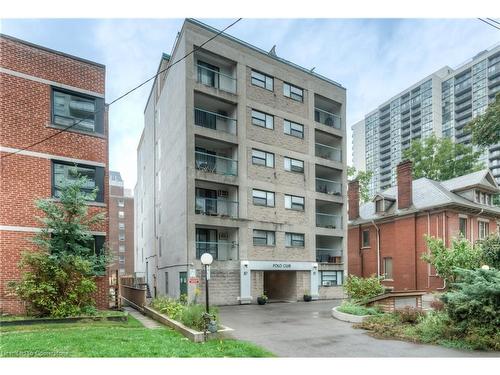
(326,283)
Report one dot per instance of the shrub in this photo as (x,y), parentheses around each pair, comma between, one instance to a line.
(355,309)
(433,327)
(410,314)
(359,288)
(437,305)
(168,306)
(491,250)
(192,316)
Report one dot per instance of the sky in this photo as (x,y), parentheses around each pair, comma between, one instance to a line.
(373,58)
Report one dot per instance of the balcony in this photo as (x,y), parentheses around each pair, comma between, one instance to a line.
(212,113)
(327,112)
(328,186)
(328,215)
(216,207)
(328,152)
(208,162)
(494,70)
(220,250)
(211,77)
(330,256)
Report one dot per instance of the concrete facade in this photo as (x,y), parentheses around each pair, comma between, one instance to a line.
(196,150)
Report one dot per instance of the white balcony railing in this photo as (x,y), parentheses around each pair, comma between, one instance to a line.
(328,221)
(328,186)
(327,118)
(213,78)
(216,207)
(220,250)
(216,164)
(328,152)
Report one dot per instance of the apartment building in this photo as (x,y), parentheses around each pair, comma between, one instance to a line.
(387,235)
(44,91)
(121,226)
(440,104)
(242,156)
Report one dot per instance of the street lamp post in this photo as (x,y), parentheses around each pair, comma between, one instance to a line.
(206,260)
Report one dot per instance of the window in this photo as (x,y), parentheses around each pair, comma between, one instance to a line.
(262,80)
(121,259)
(478,194)
(121,225)
(294,165)
(121,214)
(121,248)
(366,238)
(262,158)
(331,278)
(293,129)
(121,237)
(208,74)
(388,268)
(379,205)
(262,119)
(484,229)
(263,198)
(294,239)
(121,203)
(293,92)
(263,237)
(64,173)
(462,224)
(84,112)
(294,202)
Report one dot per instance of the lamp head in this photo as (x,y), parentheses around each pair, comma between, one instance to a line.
(206,259)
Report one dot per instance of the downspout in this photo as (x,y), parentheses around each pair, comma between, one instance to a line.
(378,247)
(428,251)
(360,236)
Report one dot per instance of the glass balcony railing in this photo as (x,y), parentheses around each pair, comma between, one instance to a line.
(326,255)
(327,118)
(214,78)
(216,207)
(328,152)
(328,186)
(216,164)
(215,121)
(328,221)
(220,250)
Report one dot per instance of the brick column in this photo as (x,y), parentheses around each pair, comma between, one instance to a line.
(405,181)
(353,199)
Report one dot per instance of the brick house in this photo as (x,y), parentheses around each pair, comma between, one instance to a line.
(386,235)
(44,91)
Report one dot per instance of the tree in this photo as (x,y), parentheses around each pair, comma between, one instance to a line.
(485,129)
(461,254)
(440,159)
(364,178)
(490,247)
(58,278)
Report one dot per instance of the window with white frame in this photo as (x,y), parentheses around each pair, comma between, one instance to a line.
(293,129)
(121,248)
(293,92)
(121,237)
(294,202)
(366,238)
(483,229)
(293,165)
(263,158)
(263,198)
(262,119)
(121,259)
(121,203)
(462,225)
(331,278)
(294,239)
(121,214)
(388,268)
(121,225)
(262,80)
(263,237)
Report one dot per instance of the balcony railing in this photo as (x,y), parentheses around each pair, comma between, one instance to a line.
(221,250)
(216,164)
(325,255)
(213,78)
(328,152)
(214,121)
(216,207)
(328,186)
(327,118)
(328,221)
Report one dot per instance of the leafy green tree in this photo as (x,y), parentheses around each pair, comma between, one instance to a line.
(485,129)
(364,178)
(490,247)
(58,278)
(461,254)
(440,159)
(361,288)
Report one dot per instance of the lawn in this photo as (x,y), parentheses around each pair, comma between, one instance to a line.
(113,339)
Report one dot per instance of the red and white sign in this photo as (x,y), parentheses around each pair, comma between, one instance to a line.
(194,280)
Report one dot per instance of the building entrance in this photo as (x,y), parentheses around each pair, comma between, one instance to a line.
(280,286)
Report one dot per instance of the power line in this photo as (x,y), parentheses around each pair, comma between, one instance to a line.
(125,94)
(488,23)
(492,20)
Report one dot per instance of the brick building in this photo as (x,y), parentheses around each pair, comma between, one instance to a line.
(121,226)
(386,235)
(42,92)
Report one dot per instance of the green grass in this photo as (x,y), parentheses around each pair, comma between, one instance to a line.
(354,309)
(100,313)
(113,339)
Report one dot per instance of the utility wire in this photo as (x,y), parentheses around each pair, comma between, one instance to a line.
(492,20)
(488,23)
(125,94)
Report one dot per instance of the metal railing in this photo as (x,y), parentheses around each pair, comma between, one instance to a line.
(327,118)
(328,221)
(328,186)
(216,164)
(325,255)
(328,152)
(214,121)
(216,207)
(213,78)
(221,250)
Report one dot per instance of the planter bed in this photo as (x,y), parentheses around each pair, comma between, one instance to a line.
(24,321)
(191,334)
(348,317)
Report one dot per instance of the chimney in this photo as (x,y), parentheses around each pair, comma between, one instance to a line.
(353,199)
(405,184)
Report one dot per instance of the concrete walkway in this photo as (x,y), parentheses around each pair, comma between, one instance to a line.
(146,321)
(308,330)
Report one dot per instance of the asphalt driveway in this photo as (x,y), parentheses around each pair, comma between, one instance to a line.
(308,330)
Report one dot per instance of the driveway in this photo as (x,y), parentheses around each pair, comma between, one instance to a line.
(308,330)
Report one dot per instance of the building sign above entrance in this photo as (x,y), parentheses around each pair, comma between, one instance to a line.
(280,266)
